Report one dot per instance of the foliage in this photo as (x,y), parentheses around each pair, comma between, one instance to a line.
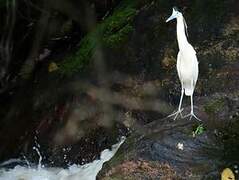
(111,33)
(199,130)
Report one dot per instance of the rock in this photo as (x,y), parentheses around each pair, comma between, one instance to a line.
(172,145)
(161,142)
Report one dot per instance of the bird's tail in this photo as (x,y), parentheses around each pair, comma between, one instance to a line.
(188,90)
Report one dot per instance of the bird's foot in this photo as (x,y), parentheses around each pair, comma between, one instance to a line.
(175,114)
(192,115)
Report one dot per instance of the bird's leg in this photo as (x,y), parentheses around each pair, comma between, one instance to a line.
(180,103)
(192,113)
(179,111)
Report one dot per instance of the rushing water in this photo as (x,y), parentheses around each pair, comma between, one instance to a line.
(73,172)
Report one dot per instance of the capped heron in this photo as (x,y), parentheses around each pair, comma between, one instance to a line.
(187,64)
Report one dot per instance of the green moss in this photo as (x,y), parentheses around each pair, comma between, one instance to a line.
(79,60)
(214,106)
(110,33)
(120,37)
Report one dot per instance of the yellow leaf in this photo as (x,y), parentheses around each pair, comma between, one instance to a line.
(52,67)
(227,174)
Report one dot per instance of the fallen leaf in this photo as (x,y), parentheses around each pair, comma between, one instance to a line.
(227,174)
(52,67)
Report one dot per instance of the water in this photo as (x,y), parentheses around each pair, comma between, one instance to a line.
(73,172)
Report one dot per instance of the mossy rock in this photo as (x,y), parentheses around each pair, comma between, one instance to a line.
(110,33)
(156,155)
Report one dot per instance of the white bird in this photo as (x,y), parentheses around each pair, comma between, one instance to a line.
(187,64)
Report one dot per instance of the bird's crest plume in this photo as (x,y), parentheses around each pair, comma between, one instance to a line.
(186,27)
(184,22)
(175,8)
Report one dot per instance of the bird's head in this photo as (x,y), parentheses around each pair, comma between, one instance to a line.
(175,14)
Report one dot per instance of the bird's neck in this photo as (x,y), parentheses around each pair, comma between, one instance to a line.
(181,36)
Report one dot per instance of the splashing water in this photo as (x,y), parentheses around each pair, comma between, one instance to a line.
(73,172)
(40,157)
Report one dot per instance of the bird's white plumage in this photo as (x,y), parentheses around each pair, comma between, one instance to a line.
(187,68)
(187,64)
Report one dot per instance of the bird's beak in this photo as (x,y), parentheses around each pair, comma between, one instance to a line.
(170,18)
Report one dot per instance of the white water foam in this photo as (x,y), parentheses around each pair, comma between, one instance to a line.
(74,172)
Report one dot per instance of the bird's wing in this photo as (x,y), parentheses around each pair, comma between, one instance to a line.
(195,68)
(194,60)
(187,67)
(179,57)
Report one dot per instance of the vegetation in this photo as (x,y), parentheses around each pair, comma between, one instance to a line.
(198,130)
(111,33)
